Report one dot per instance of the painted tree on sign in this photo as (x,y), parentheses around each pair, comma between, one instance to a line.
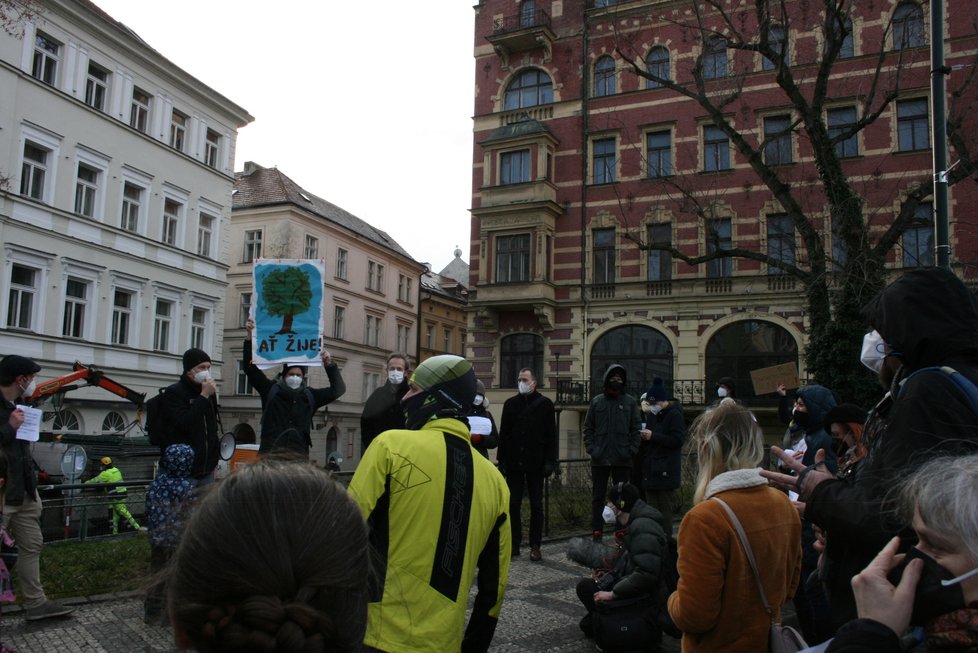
(286,292)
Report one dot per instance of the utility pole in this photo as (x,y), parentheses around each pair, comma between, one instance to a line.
(938,112)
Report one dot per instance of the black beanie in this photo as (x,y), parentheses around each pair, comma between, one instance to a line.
(288,366)
(194,357)
(624,496)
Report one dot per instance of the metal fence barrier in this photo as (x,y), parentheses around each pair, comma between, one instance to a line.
(82,556)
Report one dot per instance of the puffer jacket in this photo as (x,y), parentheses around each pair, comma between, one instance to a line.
(645,542)
(930,318)
(611,427)
(168,496)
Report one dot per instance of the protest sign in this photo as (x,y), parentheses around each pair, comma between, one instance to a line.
(288,311)
(766,379)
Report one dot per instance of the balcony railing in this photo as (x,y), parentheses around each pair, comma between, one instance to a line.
(694,287)
(522,20)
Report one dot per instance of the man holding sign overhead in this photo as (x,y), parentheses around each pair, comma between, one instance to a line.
(23,504)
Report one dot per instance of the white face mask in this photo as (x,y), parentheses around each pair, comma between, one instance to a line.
(31,387)
(873,351)
(609,515)
(655,409)
(200,377)
(721,392)
(524,388)
(478,400)
(294,381)
(396,377)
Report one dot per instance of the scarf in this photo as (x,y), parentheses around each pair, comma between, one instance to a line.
(954,632)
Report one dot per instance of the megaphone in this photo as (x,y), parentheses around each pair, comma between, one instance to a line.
(227,446)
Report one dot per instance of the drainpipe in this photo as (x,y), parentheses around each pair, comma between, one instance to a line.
(939,128)
(585,152)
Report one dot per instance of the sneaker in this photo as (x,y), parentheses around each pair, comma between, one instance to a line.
(47,610)
(535,555)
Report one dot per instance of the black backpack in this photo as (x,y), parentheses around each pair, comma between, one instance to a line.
(155,423)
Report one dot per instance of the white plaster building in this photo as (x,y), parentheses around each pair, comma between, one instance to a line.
(115,211)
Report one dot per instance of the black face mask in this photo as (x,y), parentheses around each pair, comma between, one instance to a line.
(613,389)
(931,598)
(801,419)
(418,409)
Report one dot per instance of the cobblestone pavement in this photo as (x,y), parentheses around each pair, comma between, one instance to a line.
(540,614)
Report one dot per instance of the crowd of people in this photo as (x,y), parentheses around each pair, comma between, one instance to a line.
(868,522)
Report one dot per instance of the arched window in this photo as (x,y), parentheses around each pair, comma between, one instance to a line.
(747,345)
(642,351)
(778,40)
(244,434)
(529,89)
(66,421)
(657,63)
(715,58)
(846,47)
(518,351)
(908,26)
(332,440)
(604,77)
(113,423)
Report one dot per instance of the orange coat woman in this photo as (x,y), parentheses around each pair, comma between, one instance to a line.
(717,605)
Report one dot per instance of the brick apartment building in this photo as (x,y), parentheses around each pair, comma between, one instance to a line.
(580,164)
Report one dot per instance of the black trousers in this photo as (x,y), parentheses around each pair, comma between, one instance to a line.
(532,484)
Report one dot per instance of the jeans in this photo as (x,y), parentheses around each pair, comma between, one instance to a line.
(599,491)
(533,485)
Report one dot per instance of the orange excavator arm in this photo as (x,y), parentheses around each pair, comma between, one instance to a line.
(91,376)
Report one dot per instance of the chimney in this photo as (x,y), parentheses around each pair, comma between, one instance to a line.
(250,167)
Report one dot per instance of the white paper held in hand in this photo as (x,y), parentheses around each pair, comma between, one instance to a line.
(30,430)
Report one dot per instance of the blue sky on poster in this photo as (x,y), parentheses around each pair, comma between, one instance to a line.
(367,105)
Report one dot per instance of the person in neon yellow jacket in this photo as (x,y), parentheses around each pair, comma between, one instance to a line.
(436,510)
(111,474)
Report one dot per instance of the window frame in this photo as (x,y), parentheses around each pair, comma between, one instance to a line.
(658,261)
(510,249)
(720,149)
(655,66)
(604,163)
(17,292)
(918,123)
(522,92)
(777,140)
(33,175)
(342,264)
(162,324)
(120,329)
(849,147)
(375,276)
(205,233)
(780,241)
(659,155)
(604,260)
(86,189)
(605,78)
(199,321)
(777,35)
(339,322)
(518,174)
(212,148)
(75,312)
(139,109)
(178,130)
(919,252)
(720,268)
(716,63)
(132,208)
(46,58)
(170,221)
(252,245)
(908,26)
(96,87)
(311,247)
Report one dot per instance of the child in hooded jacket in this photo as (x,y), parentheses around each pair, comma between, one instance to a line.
(167,508)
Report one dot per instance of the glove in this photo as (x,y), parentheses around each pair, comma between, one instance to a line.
(548,470)
(475,438)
